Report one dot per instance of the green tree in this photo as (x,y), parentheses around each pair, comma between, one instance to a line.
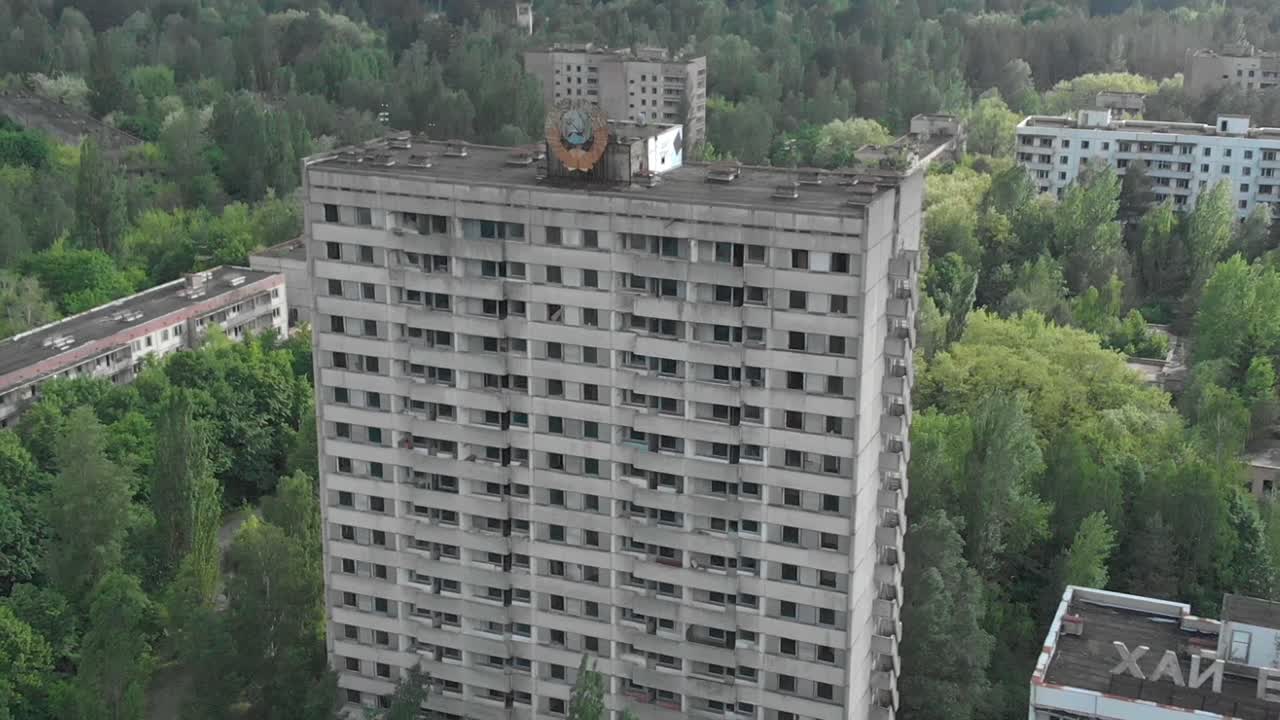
(1208,232)
(1137,193)
(945,650)
(1085,562)
(115,660)
(587,699)
(107,89)
(185,148)
(1081,92)
(21,524)
(1253,237)
(49,615)
(1252,569)
(740,130)
(181,465)
(1148,571)
(411,693)
(1161,261)
(839,139)
(195,586)
(1086,234)
(992,127)
(253,403)
(1221,424)
(1066,377)
(1221,328)
(1001,515)
(77,280)
(295,508)
(25,667)
(275,616)
(100,200)
(1039,287)
(23,304)
(89,510)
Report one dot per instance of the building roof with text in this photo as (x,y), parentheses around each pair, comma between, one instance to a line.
(1182,665)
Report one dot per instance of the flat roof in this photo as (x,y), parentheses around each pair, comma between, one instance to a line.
(1157,127)
(640,54)
(29,348)
(1084,662)
(295,249)
(840,193)
(1268,458)
(1250,611)
(67,124)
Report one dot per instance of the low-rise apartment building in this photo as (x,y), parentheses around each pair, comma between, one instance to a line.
(1183,159)
(111,341)
(1112,656)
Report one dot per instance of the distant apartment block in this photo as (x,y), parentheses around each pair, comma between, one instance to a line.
(642,85)
(63,123)
(111,341)
(1112,656)
(1183,159)
(1239,65)
(289,259)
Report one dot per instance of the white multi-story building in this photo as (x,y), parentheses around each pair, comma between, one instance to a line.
(1183,159)
(1111,656)
(111,341)
(640,85)
(655,418)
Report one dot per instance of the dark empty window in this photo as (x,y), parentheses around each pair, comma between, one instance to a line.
(330,213)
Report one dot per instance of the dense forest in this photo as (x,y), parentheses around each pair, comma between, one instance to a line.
(1039,459)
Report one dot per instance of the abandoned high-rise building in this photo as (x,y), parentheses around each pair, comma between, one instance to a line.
(601,402)
(639,85)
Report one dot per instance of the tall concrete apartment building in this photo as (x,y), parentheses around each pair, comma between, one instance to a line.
(111,341)
(657,418)
(1239,65)
(1183,159)
(644,84)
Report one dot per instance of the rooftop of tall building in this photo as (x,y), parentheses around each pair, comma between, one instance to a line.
(845,191)
(640,53)
(1242,49)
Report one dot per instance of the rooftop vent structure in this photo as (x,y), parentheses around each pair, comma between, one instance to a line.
(381,159)
(236,281)
(420,160)
(724,172)
(520,158)
(349,156)
(456,148)
(400,142)
(812,177)
(786,191)
(647,178)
